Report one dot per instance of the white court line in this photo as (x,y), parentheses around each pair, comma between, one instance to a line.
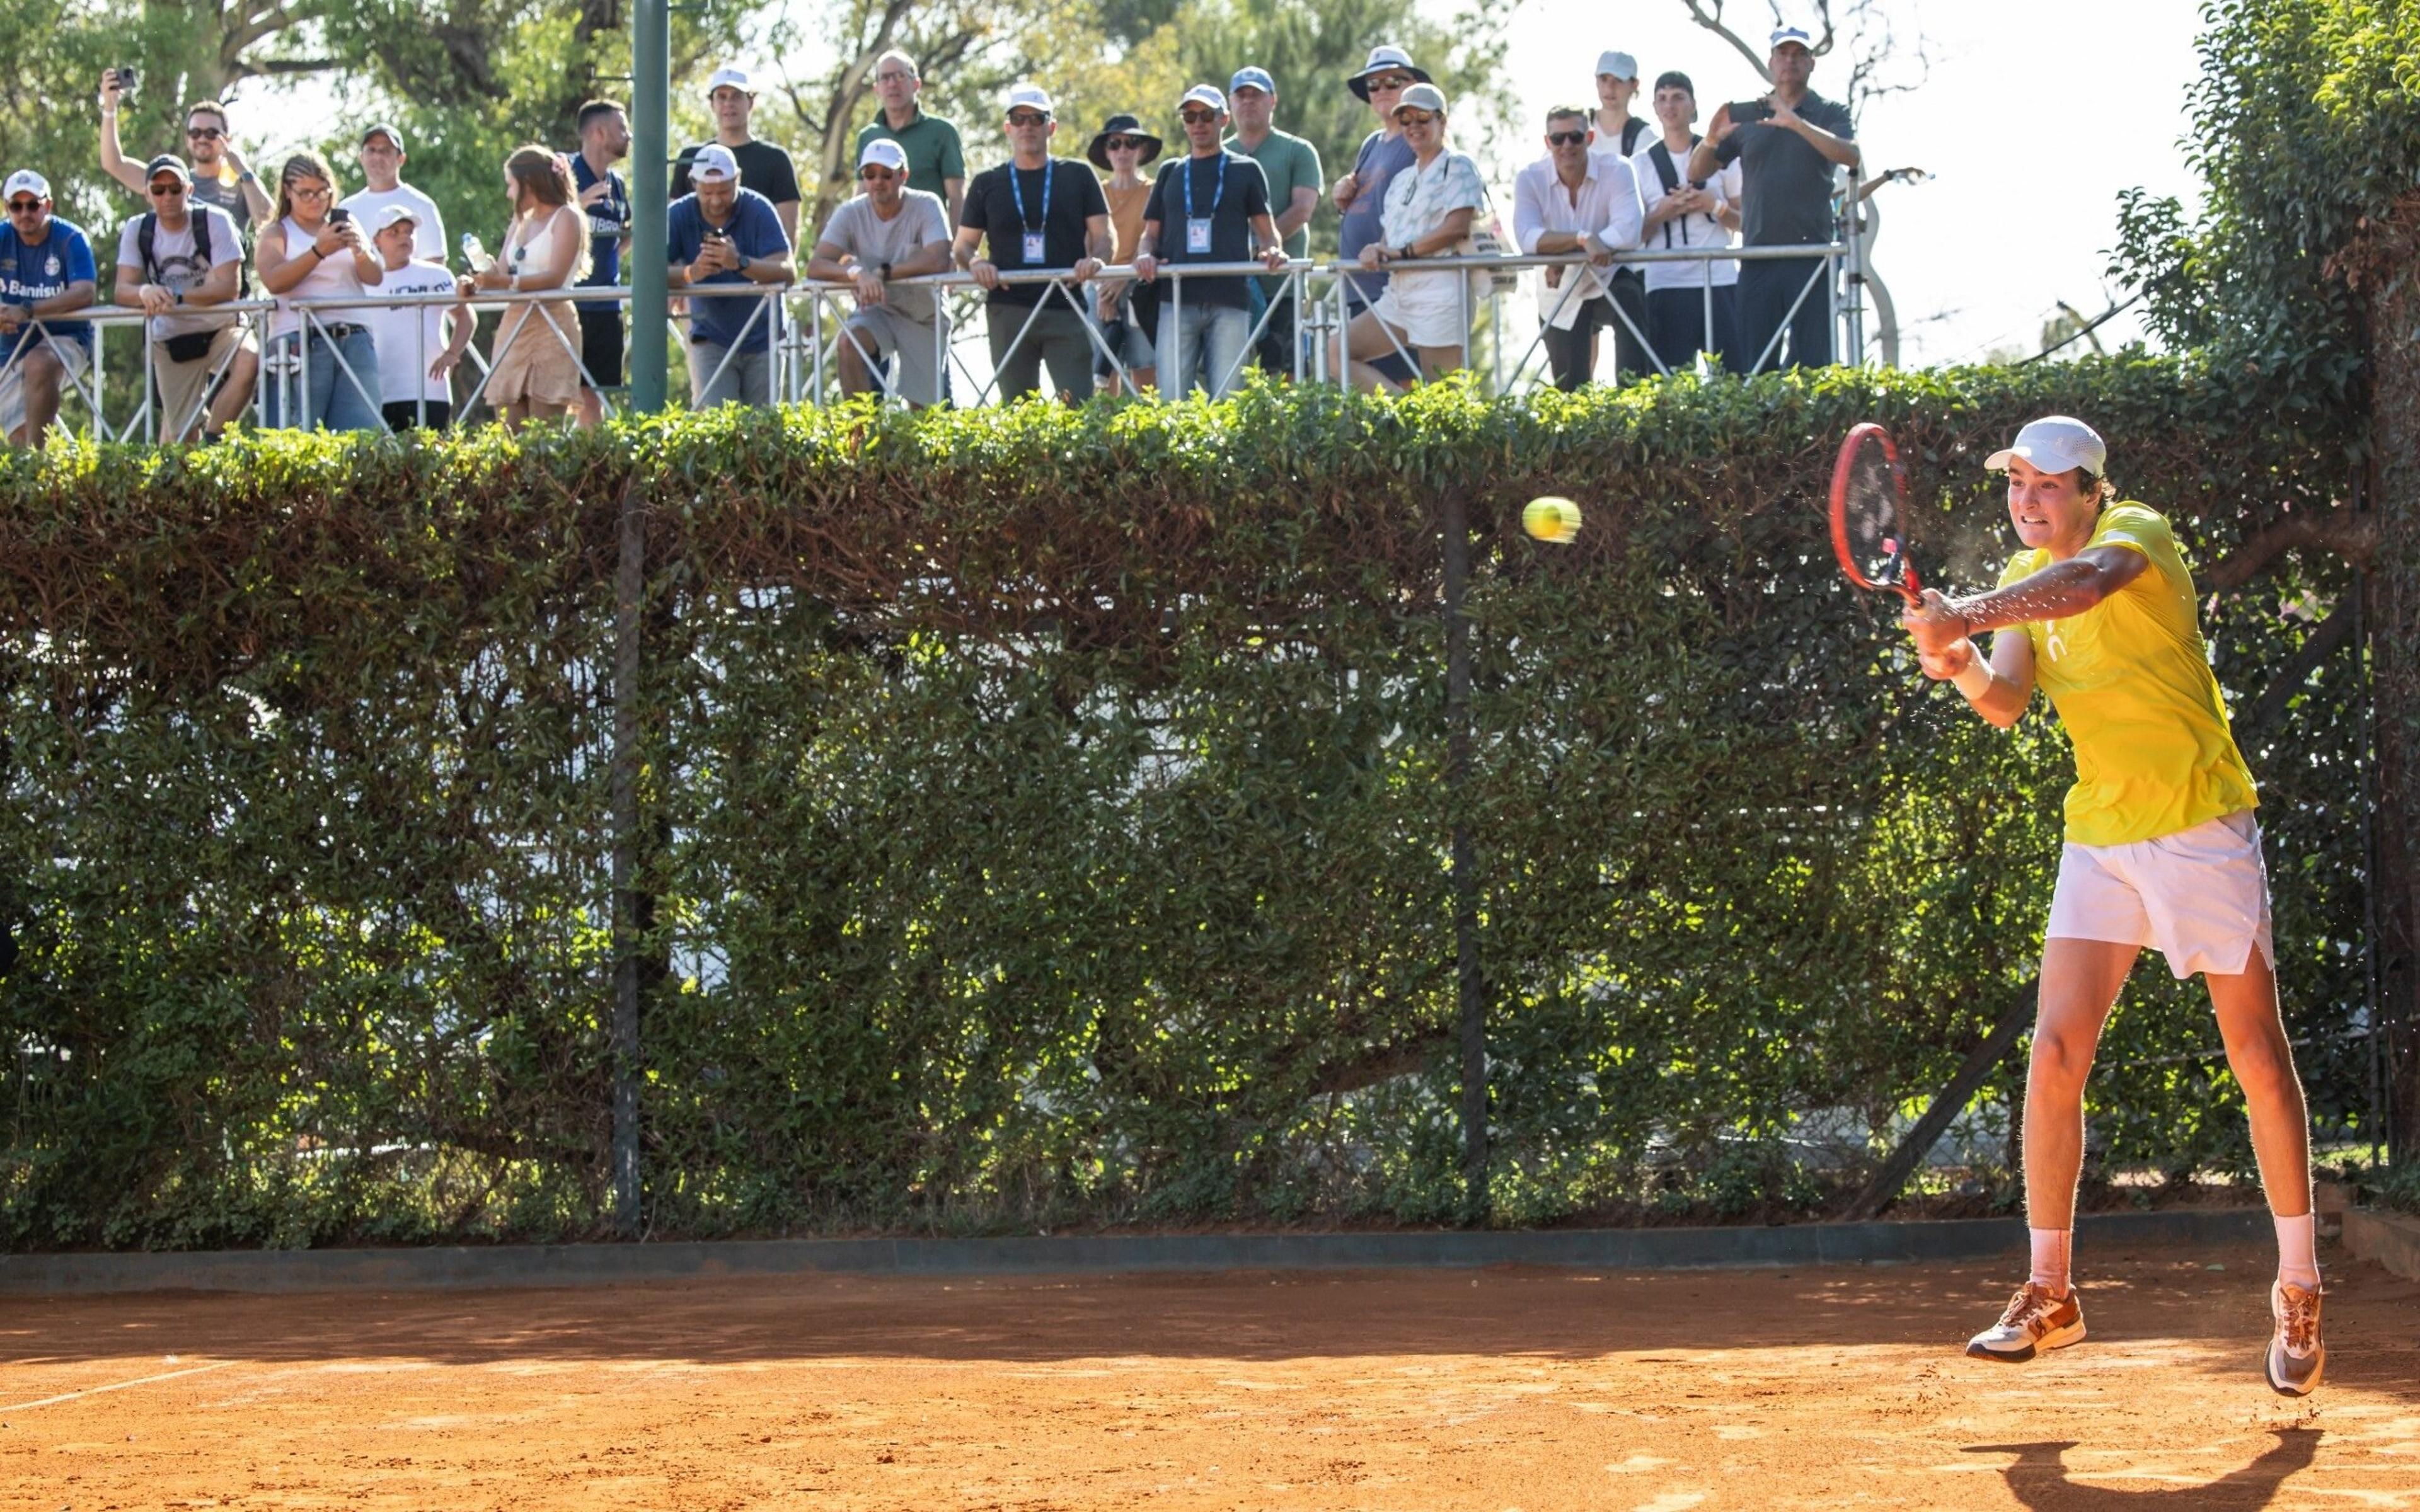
(121,1385)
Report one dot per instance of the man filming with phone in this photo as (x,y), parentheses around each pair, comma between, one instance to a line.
(1787,145)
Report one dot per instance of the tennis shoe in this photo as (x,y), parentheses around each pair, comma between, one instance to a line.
(2296,1353)
(2034,1322)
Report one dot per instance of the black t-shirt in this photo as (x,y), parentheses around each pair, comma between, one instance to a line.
(763,168)
(1228,209)
(1785,184)
(992,207)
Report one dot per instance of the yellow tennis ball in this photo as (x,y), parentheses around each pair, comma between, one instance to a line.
(1552,519)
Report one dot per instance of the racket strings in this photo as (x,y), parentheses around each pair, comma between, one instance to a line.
(1870,512)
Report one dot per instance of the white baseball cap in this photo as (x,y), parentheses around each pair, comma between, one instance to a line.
(1205,94)
(735,78)
(1421,97)
(713,163)
(884,153)
(2055,444)
(1793,34)
(1620,65)
(394,215)
(27,180)
(1028,96)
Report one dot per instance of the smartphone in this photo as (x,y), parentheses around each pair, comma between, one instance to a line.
(712,235)
(339,216)
(1745,111)
(125,80)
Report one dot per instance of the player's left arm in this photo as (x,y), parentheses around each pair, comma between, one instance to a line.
(2058,591)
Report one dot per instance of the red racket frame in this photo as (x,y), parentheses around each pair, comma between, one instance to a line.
(1908,585)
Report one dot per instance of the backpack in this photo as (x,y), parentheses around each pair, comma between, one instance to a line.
(1661,156)
(149,224)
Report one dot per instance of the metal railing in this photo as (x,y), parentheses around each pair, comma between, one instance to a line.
(804,323)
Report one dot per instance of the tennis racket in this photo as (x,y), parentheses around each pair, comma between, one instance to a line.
(1869,515)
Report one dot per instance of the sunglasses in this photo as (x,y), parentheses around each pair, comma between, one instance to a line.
(1393,82)
(1199,118)
(25,206)
(872,172)
(1123,144)
(1414,115)
(1026,117)
(204,134)
(166,191)
(1566,139)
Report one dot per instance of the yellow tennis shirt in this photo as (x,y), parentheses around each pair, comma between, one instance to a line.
(2131,680)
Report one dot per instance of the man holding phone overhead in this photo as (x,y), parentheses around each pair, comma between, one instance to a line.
(1787,145)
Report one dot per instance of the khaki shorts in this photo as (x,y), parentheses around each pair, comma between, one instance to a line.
(74,355)
(185,388)
(2199,896)
(880,332)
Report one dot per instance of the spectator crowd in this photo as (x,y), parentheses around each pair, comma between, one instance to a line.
(1037,232)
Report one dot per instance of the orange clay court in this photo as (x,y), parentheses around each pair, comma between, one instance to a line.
(1383,1389)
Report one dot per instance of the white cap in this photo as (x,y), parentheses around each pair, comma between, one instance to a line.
(393,215)
(1620,65)
(1793,34)
(25,181)
(713,163)
(1205,94)
(735,78)
(2055,444)
(1028,96)
(1421,97)
(884,153)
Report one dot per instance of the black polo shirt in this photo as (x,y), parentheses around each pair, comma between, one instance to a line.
(1006,202)
(1786,185)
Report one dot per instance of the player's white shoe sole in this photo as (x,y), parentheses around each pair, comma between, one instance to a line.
(2033,1324)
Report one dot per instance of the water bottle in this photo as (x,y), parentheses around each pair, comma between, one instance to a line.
(475,252)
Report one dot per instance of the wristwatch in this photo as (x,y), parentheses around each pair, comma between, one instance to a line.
(247,176)
(885,272)
(177,296)
(1405,251)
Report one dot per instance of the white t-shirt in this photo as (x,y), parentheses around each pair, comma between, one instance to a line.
(427,226)
(181,266)
(1699,230)
(403,358)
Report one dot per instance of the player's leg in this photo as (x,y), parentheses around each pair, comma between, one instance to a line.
(2263,1062)
(2080,980)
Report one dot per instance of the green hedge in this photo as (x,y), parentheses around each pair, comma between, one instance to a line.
(1046,814)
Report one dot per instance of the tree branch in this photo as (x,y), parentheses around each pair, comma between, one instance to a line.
(2352,536)
(2330,636)
(1382,1064)
(1713,23)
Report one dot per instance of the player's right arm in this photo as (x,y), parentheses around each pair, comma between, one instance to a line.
(2000,685)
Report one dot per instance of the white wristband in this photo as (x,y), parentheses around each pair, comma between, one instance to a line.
(1973,680)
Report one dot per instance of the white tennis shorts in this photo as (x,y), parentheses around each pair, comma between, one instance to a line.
(2200,896)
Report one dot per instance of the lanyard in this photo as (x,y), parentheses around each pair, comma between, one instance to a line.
(1221,160)
(1017,190)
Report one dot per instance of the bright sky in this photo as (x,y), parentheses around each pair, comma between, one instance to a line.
(2021,140)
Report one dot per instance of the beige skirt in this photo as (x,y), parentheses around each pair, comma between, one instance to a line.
(537,365)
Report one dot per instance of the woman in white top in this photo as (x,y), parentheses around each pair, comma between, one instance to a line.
(1689,304)
(536,372)
(1429,207)
(324,368)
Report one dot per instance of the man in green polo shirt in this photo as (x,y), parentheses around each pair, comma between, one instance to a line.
(935,156)
(1291,165)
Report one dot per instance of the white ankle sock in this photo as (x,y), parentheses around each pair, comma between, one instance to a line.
(2051,1248)
(2298,1250)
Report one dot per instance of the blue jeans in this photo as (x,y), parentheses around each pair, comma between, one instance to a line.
(1204,339)
(330,399)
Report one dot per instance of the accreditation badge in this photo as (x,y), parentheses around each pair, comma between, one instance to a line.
(1033,255)
(1197,236)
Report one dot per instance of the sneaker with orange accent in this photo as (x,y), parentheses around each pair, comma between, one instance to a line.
(2035,1322)
(2296,1353)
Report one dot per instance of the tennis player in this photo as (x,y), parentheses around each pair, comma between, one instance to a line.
(2161,850)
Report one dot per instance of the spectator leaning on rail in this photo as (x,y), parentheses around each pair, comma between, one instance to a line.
(1291,165)
(221,180)
(1572,200)
(535,370)
(605,200)
(381,157)
(1619,133)
(890,231)
(1210,206)
(175,261)
(936,160)
(1129,312)
(1032,212)
(323,366)
(46,270)
(1787,160)
(416,357)
(767,169)
(721,234)
(1430,206)
(1361,194)
(1685,212)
